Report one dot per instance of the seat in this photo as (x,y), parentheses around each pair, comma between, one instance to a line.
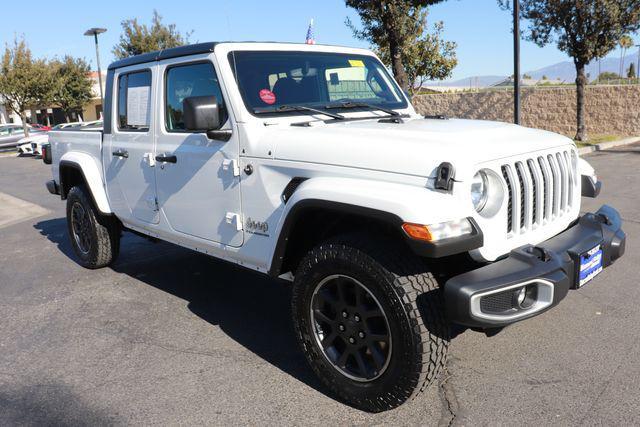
(286,91)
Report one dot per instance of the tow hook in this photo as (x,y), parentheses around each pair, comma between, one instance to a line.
(540,253)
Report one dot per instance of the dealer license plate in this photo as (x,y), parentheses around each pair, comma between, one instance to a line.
(590,265)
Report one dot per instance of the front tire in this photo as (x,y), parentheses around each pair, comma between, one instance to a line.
(95,238)
(370,321)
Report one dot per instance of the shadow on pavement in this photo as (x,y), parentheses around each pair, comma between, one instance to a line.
(48,403)
(250,308)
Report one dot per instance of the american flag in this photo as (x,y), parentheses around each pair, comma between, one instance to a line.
(310,35)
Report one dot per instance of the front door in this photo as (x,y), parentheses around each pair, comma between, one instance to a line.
(199,188)
(127,153)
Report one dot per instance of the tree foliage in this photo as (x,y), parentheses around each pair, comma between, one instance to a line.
(398,30)
(139,38)
(608,75)
(585,30)
(24,82)
(72,87)
(626,43)
(631,73)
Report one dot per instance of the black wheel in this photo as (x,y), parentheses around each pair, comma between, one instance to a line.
(95,238)
(370,321)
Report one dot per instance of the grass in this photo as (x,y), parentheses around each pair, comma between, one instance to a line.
(598,139)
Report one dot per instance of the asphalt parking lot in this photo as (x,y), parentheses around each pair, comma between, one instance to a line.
(168,336)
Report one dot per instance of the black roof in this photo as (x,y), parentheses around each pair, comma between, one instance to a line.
(159,55)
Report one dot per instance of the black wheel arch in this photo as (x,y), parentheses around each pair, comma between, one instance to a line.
(71,174)
(311,220)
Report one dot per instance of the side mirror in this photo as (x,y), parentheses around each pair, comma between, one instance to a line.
(202,113)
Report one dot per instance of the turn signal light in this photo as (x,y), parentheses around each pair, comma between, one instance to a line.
(436,232)
(417,231)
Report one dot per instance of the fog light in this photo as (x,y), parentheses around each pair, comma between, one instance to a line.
(526,296)
(521,294)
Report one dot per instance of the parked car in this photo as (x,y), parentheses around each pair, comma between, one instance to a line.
(309,164)
(32,145)
(11,134)
(41,127)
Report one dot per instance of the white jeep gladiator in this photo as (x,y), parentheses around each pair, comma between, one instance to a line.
(308,163)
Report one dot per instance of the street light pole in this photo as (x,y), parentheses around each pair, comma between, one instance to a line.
(638,67)
(94,32)
(516,61)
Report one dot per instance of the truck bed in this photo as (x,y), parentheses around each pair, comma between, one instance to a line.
(78,141)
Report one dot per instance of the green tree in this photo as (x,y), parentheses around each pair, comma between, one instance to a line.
(397,28)
(72,88)
(626,43)
(139,38)
(585,30)
(24,81)
(428,58)
(632,71)
(608,75)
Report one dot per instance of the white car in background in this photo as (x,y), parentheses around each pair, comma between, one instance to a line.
(32,145)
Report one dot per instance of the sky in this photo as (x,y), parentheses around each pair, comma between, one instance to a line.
(480,28)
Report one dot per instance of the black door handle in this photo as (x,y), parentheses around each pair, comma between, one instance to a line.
(164,158)
(121,153)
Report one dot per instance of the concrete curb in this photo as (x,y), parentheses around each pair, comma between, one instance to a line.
(607,145)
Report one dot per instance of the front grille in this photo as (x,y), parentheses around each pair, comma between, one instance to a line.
(540,190)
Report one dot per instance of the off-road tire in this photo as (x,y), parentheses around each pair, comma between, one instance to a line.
(412,301)
(104,232)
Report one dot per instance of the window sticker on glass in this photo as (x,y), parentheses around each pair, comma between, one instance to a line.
(356,63)
(267,96)
(138,106)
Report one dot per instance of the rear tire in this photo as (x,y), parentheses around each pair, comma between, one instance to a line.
(95,238)
(328,326)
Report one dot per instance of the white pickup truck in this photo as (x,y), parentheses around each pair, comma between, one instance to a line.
(308,163)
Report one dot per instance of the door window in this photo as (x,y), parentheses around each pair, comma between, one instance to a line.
(185,81)
(134,101)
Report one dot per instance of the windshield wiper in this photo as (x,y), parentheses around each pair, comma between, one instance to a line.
(352,104)
(290,108)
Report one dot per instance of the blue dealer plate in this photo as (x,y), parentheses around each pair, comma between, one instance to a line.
(590,265)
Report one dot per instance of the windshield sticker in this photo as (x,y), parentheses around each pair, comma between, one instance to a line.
(356,63)
(267,96)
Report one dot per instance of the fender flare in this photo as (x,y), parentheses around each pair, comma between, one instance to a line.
(90,171)
(390,203)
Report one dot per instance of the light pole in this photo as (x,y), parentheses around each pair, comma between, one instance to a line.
(638,67)
(516,61)
(94,32)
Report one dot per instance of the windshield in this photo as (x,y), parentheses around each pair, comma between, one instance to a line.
(269,80)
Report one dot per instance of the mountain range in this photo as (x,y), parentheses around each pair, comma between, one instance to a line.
(563,71)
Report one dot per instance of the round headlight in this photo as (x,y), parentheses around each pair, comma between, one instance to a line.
(480,190)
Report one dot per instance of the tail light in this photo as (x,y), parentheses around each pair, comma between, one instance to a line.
(46,154)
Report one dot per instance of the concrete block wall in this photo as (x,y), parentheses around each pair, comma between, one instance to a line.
(609,109)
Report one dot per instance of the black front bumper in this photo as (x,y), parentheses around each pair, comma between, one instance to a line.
(551,265)
(53,187)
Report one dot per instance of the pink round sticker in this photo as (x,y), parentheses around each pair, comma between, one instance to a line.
(267,96)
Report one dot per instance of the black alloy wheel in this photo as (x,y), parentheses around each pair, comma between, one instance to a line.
(351,328)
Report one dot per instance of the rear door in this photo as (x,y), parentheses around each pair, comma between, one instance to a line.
(128,153)
(198,193)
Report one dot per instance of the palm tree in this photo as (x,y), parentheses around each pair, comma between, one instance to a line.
(626,42)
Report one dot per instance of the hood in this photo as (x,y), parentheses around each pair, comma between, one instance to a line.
(415,147)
